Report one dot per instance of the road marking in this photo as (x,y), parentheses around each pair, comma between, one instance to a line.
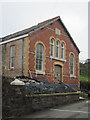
(70,111)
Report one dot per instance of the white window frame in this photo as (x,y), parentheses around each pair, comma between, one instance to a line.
(57,47)
(62,50)
(37,69)
(72,74)
(52,44)
(12,56)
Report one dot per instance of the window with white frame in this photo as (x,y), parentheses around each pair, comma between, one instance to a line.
(39,57)
(52,47)
(12,56)
(71,64)
(62,50)
(57,49)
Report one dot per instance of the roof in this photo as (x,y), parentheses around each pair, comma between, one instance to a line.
(28,30)
(38,26)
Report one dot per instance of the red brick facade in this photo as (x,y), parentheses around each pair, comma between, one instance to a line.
(43,35)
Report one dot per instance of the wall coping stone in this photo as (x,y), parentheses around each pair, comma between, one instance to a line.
(54,94)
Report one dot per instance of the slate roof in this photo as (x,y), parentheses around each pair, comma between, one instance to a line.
(36,27)
(28,30)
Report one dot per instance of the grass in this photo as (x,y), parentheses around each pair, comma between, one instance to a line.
(84,78)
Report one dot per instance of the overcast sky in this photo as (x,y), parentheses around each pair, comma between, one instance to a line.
(20,15)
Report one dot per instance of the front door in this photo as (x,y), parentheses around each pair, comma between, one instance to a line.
(58,74)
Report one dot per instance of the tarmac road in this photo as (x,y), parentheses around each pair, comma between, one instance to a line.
(0,105)
(75,110)
(0,97)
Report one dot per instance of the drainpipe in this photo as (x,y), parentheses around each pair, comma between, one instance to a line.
(22,56)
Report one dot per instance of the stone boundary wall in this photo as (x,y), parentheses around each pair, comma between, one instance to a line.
(15,103)
(44,101)
(18,104)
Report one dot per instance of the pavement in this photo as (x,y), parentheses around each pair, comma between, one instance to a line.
(75,110)
(0,105)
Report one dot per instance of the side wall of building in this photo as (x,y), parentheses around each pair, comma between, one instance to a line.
(6,70)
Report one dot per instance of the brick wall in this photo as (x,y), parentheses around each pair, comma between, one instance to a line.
(44,35)
(26,56)
(7,71)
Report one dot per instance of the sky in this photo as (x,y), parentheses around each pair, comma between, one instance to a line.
(16,16)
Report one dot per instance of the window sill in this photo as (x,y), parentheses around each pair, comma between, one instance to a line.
(63,60)
(12,68)
(40,72)
(58,59)
(51,57)
(72,76)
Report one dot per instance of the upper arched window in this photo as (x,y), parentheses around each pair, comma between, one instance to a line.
(39,57)
(63,50)
(52,47)
(57,48)
(71,64)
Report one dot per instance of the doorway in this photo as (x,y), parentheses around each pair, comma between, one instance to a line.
(58,74)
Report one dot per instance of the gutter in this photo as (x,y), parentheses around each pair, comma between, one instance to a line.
(13,39)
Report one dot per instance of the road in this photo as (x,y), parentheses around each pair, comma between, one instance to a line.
(75,110)
(0,97)
(0,105)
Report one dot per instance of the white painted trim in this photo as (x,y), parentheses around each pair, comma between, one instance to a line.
(40,72)
(55,58)
(64,60)
(72,76)
(13,39)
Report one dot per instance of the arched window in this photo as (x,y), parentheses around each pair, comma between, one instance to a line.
(71,64)
(52,47)
(62,50)
(39,57)
(57,49)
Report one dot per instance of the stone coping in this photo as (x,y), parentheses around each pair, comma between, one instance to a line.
(54,94)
